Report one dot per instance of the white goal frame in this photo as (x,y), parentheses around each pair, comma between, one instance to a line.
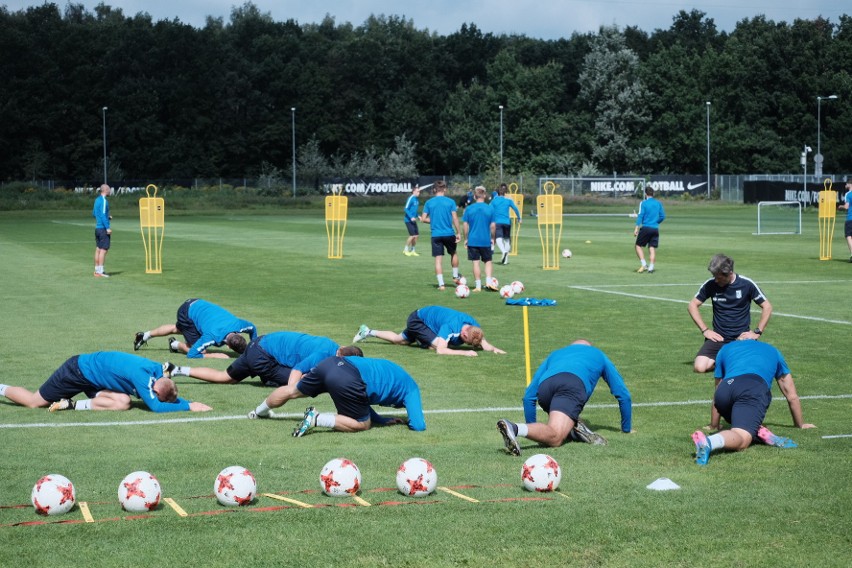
(797,230)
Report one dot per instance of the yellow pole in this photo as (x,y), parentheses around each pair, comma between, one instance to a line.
(827,214)
(527,343)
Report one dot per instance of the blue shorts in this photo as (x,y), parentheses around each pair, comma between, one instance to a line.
(185,325)
(413,231)
(342,381)
(503,231)
(564,392)
(485,254)
(257,362)
(441,243)
(66,382)
(418,332)
(743,401)
(847,229)
(648,237)
(102,239)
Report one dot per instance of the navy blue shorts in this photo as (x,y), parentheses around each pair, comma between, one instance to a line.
(418,332)
(743,401)
(441,243)
(564,392)
(485,254)
(257,362)
(66,382)
(185,325)
(102,239)
(847,228)
(413,231)
(342,381)
(648,237)
(503,231)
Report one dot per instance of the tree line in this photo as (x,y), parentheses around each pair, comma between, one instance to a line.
(387,98)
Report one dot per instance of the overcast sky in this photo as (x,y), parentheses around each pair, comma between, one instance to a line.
(546,19)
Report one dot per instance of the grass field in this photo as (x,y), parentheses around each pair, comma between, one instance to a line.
(762,507)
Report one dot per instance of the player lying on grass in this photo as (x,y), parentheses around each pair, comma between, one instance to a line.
(438,328)
(277,358)
(562,385)
(744,373)
(108,379)
(202,324)
(354,384)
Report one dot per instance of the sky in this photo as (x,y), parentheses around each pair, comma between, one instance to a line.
(542,19)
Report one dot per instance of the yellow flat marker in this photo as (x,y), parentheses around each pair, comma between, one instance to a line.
(459,495)
(288,500)
(361,501)
(560,493)
(177,508)
(87,514)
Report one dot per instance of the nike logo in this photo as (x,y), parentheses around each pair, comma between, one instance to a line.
(691,186)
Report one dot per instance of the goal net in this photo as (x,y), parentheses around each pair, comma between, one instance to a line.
(779,218)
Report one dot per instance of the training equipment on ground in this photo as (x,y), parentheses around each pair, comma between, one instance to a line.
(518,286)
(494,285)
(507,291)
(336,212)
(566,253)
(53,494)
(340,478)
(462,291)
(541,473)
(235,486)
(416,478)
(139,492)
(779,218)
(152,212)
(549,212)
(827,214)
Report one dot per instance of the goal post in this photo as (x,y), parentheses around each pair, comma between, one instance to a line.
(779,218)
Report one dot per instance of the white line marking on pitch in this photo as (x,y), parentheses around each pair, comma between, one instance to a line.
(398,412)
(837,436)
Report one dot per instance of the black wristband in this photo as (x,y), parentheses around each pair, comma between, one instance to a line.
(758,331)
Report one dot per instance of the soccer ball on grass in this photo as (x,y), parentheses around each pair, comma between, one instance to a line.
(507,291)
(566,253)
(53,494)
(541,473)
(462,291)
(235,486)
(340,478)
(139,491)
(518,287)
(416,478)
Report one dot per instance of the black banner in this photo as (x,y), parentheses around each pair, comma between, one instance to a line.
(806,194)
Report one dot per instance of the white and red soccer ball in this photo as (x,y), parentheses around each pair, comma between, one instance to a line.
(340,478)
(462,291)
(139,491)
(235,486)
(416,477)
(518,287)
(541,473)
(53,494)
(507,291)
(566,253)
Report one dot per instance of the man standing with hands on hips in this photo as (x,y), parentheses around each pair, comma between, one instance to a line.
(102,230)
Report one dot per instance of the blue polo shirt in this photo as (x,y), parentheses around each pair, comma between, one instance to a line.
(440,210)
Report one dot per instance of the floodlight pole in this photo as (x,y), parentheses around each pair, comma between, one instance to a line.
(501,143)
(708,149)
(818,157)
(103,112)
(293,122)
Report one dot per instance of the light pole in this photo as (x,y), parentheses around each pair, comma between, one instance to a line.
(818,157)
(708,149)
(103,112)
(293,122)
(805,152)
(501,143)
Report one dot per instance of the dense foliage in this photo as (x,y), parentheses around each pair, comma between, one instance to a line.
(385,96)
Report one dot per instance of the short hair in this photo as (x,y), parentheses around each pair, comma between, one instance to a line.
(474,336)
(721,264)
(350,351)
(649,189)
(502,189)
(581,342)
(236,342)
(479,192)
(440,186)
(166,389)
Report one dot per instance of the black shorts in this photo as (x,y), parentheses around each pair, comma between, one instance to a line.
(743,401)
(648,237)
(342,381)
(66,382)
(257,362)
(847,228)
(418,332)
(710,348)
(441,243)
(185,325)
(485,254)
(564,392)
(503,232)
(413,231)
(102,239)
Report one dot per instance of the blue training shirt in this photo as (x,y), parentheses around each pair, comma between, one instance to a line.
(502,205)
(751,357)
(479,218)
(388,384)
(129,374)
(589,364)
(299,351)
(440,210)
(411,208)
(100,212)
(848,199)
(447,323)
(214,324)
(651,214)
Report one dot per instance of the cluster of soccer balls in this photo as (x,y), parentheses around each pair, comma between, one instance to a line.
(235,486)
(507,291)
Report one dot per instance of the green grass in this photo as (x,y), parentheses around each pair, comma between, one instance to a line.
(762,507)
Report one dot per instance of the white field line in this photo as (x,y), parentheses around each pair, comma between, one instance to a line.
(837,436)
(501,409)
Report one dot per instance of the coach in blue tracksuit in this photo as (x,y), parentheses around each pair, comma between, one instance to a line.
(354,384)
(744,373)
(108,379)
(103,232)
(562,385)
(202,324)
(647,230)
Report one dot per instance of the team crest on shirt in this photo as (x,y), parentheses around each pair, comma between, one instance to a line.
(739,294)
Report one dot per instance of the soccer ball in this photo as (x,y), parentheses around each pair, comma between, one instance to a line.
(53,494)
(566,253)
(340,478)
(235,486)
(139,491)
(507,291)
(462,291)
(518,287)
(541,473)
(416,478)
(461,280)
(494,283)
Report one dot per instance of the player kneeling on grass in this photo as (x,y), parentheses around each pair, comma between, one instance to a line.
(109,379)
(354,384)
(744,373)
(562,385)
(438,328)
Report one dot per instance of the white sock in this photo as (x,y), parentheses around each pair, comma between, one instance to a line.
(651,266)
(99,269)
(326,420)
(262,409)
(644,263)
(146,336)
(371,333)
(479,283)
(440,280)
(716,441)
(174,344)
(3,389)
(523,430)
(85,404)
(456,272)
(182,371)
